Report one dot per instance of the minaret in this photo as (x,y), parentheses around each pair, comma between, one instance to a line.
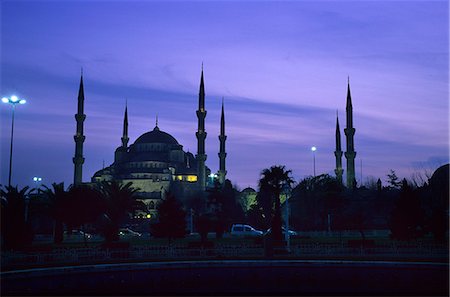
(125,128)
(222,154)
(350,154)
(338,152)
(79,138)
(201,136)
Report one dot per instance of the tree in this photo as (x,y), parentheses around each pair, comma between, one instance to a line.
(271,183)
(263,209)
(56,202)
(393,180)
(84,205)
(313,199)
(408,218)
(119,199)
(256,218)
(16,231)
(225,208)
(172,219)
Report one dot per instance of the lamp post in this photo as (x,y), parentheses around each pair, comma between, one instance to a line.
(286,190)
(13,100)
(191,221)
(314,149)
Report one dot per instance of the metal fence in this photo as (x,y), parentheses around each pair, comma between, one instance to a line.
(176,252)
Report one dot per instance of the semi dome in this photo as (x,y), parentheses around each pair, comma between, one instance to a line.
(156,136)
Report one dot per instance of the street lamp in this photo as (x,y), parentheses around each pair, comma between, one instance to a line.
(13,100)
(37,180)
(314,149)
(213,177)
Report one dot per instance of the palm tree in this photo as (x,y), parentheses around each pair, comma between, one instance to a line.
(15,230)
(272,182)
(120,200)
(57,200)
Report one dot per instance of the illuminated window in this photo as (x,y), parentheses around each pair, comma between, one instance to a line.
(191,178)
(179,177)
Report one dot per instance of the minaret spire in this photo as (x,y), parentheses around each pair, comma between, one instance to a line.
(222,154)
(79,137)
(201,136)
(125,127)
(349,131)
(338,152)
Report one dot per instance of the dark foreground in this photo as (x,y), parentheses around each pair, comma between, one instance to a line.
(234,277)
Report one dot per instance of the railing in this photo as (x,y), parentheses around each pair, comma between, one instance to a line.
(176,252)
(345,233)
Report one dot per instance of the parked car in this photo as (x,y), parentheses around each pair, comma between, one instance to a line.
(244,230)
(76,235)
(127,232)
(283,231)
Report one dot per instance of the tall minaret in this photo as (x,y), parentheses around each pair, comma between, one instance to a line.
(79,138)
(338,152)
(222,153)
(201,136)
(125,128)
(350,154)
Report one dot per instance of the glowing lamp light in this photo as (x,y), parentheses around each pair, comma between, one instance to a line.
(13,100)
(149,216)
(37,179)
(313,149)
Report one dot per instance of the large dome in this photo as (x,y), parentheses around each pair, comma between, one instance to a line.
(156,136)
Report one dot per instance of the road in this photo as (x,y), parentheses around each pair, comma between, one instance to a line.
(272,277)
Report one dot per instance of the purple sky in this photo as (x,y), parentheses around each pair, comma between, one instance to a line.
(281,66)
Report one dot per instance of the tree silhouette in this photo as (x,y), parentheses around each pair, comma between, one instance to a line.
(263,208)
(119,199)
(84,205)
(393,180)
(407,218)
(272,182)
(57,199)
(171,219)
(15,230)
(225,207)
(313,199)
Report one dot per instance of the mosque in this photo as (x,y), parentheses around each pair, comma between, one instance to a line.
(156,160)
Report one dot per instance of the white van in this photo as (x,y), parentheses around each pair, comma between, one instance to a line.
(244,230)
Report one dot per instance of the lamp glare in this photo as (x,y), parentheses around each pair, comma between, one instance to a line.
(5,100)
(22,101)
(14,99)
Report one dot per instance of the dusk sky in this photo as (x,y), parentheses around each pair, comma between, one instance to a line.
(281,66)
